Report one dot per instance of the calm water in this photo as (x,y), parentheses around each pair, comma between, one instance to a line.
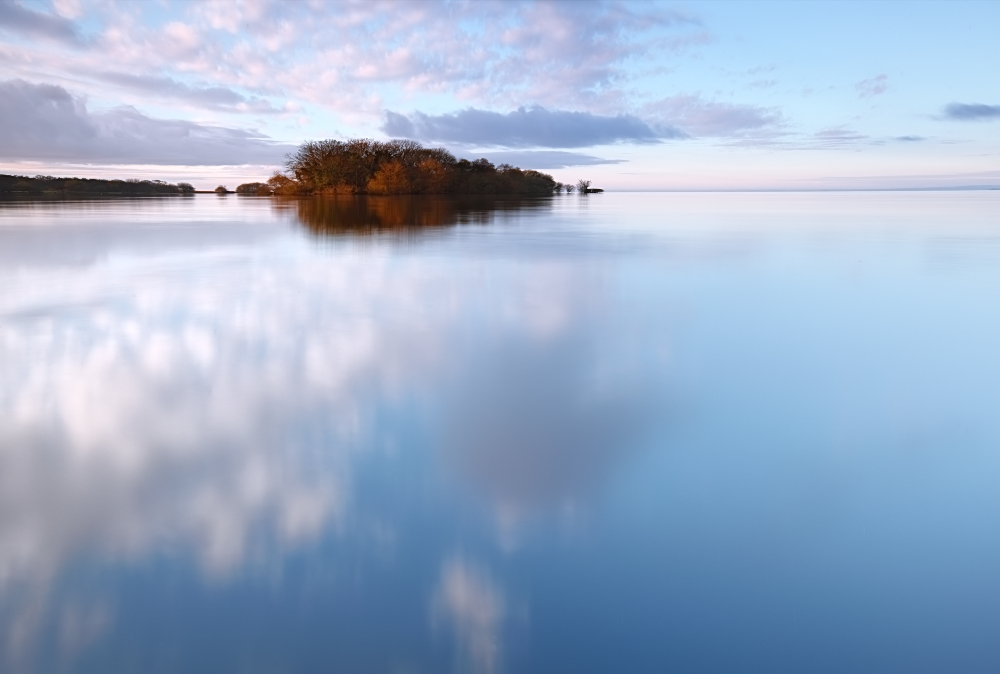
(617,433)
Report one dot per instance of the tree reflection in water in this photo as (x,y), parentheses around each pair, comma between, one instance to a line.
(371,215)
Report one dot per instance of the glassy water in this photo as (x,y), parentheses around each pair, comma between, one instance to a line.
(616,433)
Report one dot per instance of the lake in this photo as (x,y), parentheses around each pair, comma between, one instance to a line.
(641,432)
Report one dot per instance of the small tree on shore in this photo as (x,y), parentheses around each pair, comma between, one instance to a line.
(185,188)
(582,186)
(283,185)
(221,190)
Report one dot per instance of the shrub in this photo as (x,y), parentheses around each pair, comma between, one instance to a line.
(255,189)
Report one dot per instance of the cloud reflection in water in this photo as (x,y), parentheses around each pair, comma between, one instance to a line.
(469,600)
(209,401)
(537,424)
(212,407)
(213,411)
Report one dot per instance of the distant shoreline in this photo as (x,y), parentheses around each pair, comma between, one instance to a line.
(41,185)
(25,187)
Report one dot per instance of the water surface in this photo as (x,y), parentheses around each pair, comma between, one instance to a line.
(622,432)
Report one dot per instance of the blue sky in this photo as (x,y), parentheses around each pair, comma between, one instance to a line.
(712,95)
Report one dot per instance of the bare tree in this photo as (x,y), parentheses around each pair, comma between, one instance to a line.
(582,186)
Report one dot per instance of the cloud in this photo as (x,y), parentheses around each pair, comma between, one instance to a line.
(345,56)
(909,139)
(46,122)
(971,111)
(18,19)
(545,159)
(525,127)
(211,97)
(875,86)
(838,133)
(556,56)
(692,116)
(836,136)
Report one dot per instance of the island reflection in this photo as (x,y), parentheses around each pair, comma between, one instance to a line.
(371,215)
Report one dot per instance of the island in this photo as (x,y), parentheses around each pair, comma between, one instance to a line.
(365,166)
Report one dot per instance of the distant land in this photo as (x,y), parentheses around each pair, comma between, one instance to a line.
(50,186)
(328,167)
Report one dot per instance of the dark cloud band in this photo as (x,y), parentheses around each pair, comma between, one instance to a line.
(523,128)
(18,19)
(541,160)
(971,111)
(46,122)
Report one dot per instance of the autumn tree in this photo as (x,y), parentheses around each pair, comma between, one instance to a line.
(391,178)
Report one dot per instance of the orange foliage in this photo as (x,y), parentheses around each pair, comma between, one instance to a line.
(391,178)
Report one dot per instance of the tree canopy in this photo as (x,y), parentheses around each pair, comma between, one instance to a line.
(365,166)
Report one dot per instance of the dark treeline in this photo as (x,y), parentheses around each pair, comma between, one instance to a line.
(366,166)
(50,186)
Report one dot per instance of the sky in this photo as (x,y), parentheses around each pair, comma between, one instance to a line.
(631,95)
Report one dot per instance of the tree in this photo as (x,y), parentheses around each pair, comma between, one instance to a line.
(185,188)
(390,179)
(255,189)
(582,186)
(221,190)
(283,185)
(431,176)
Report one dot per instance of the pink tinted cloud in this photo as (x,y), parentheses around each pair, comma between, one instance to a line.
(339,55)
(696,117)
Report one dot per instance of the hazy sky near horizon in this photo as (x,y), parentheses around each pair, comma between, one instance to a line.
(633,95)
